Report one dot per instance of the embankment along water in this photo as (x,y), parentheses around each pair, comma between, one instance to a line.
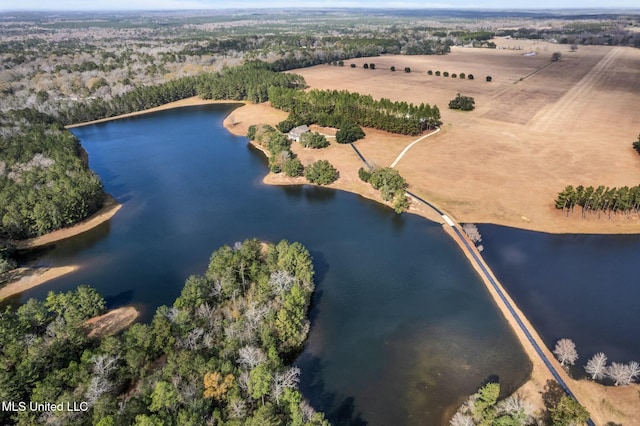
(582,287)
(402,328)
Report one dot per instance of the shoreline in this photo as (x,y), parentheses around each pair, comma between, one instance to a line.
(589,393)
(28,278)
(111,322)
(106,212)
(186,102)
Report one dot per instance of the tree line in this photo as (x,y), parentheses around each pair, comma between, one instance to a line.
(45,184)
(247,82)
(599,200)
(221,354)
(484,408)
(597,368)
(331,108)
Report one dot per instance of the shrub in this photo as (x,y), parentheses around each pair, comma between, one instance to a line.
(407,69)
(462,75)
(341,63)
(365,66)
(349,132)
(430,72)
(251,132)
(392,68)
(454,75)
(464,103)
(437,73)
(372,66)
(353,65)
(489,78)
(286,125)
(470,77)
(387,181)
(364,174)
(313,140)
(293,167)
(445,74)
(321,173)
(401,201)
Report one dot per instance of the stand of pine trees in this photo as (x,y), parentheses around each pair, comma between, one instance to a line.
(599,200)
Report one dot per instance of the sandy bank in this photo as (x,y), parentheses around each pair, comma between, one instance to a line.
(23,279)
(112,322)
(192,101)
(382,148)
(107,211)
(604,403)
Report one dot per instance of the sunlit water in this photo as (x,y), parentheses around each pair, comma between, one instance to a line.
(402,328)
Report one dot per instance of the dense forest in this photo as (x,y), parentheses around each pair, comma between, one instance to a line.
(45,184)
(246,82)
(331,108)
(220,355)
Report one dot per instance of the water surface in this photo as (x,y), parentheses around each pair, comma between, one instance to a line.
(402,328)
(582,287)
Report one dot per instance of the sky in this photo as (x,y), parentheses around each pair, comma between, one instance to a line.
(252,4)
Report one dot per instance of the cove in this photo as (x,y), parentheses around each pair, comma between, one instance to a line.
(402,329)
(582,287)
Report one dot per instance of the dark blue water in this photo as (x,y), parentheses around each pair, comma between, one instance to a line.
(402,328)
(583,287)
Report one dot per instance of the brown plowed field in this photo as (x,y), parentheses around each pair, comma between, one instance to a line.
(537,127)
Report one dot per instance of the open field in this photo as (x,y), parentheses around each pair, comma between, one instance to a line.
(537,127)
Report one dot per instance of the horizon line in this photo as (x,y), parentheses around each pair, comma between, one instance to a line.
(452,8)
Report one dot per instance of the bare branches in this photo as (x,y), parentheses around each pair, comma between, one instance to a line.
(281,281)
(565,351)
(597,366)
(623,374)
(250,356)
(286,379)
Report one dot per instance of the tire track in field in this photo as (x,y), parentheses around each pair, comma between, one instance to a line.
(554,118)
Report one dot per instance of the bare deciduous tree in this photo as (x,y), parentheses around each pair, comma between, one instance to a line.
(286,379)
(237,408)
(98,386)
(307,411)
(460,419)
(472,232)
(565,351)
(619,373)
(250,357)
(634,370)
(597,366)
(517,406)
(103,364)
(281,281)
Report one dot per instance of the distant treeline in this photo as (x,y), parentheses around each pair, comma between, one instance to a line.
(332,108)
(600,199)
(221,354)
(44,182)
(247,82)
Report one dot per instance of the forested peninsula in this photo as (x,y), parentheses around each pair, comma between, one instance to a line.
(222,354)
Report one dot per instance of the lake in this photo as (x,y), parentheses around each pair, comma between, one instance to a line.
(402,331)
(582,287)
